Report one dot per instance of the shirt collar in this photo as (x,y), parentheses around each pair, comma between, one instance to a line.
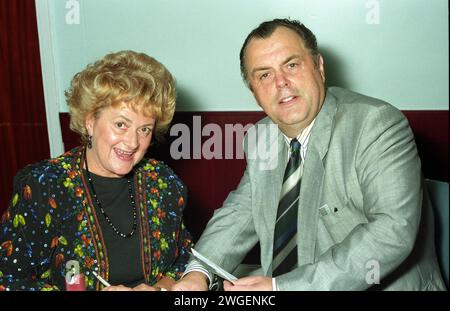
(303,137)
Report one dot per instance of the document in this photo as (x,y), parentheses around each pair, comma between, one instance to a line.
(212,266)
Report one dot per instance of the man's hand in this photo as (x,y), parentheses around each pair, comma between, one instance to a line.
(165,283)
(249,283)
(193,281)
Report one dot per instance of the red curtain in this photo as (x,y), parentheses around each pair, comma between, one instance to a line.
(23,127)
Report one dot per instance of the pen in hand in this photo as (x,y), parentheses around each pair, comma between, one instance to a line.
(102,280)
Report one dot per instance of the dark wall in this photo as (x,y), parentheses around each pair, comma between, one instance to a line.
(210,181)
(23,126)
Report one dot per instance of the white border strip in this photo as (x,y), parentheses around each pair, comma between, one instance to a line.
(43,17)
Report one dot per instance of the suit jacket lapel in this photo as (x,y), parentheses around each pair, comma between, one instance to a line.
(270,186)
(267,192)
(312,179)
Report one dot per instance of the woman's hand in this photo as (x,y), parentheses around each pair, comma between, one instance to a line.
(116,288)
(163,284)
(141,287)
(146,288)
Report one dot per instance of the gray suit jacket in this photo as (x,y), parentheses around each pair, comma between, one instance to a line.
(362,215)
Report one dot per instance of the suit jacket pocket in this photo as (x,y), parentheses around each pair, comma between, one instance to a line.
(339,221)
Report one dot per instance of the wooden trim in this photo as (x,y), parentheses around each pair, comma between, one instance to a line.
(44,21)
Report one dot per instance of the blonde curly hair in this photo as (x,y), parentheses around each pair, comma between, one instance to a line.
(126,76)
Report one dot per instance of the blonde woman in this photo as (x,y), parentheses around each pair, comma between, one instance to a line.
(102,208)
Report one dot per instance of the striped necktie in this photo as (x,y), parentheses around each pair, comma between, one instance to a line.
(285,237)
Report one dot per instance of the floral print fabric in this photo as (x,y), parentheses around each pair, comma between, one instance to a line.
(51,222)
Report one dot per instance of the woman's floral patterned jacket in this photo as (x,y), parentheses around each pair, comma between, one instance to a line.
(51,220)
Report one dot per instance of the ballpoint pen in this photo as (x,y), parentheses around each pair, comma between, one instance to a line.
(102,280)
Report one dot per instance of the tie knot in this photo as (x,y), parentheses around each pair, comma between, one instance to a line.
(295,145)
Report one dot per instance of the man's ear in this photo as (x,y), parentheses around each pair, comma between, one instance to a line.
(320,66)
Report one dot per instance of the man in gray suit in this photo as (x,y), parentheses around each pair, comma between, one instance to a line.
(346,170)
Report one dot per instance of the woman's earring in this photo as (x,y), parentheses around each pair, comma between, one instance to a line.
(89,142)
